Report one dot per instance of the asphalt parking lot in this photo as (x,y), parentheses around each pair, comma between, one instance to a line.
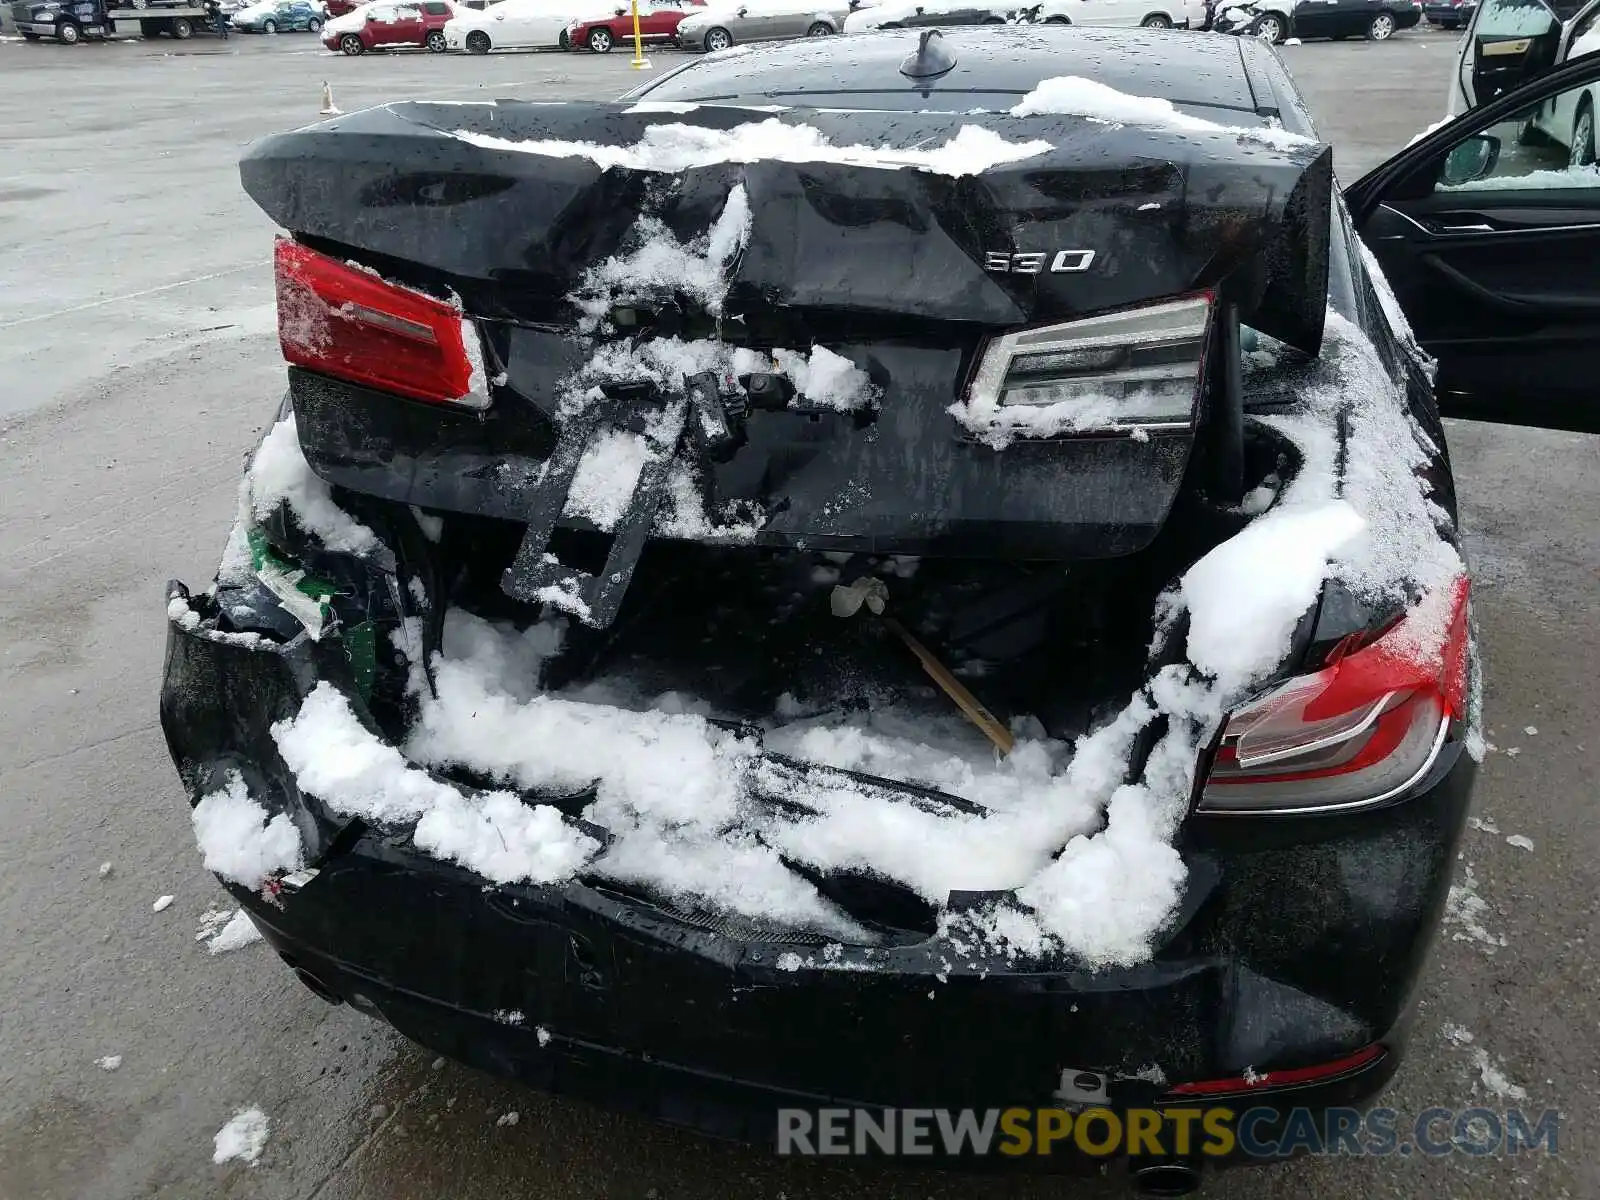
(137,365)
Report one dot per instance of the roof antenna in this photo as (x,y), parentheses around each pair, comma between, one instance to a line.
(930,58)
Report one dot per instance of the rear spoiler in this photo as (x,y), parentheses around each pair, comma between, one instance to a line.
(932,216)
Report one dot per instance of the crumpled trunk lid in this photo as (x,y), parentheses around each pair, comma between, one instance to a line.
(900,243)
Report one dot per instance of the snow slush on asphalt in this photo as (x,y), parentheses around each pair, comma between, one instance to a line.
(884,609)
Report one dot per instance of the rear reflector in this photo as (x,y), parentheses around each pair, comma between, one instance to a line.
(1357,732)
(347,322)
(1244,1085)
(1139,368)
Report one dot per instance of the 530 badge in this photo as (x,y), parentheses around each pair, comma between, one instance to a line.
(1038,262)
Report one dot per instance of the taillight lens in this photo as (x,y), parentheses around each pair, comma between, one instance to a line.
(352,324)
(1357,732)
(1139,368)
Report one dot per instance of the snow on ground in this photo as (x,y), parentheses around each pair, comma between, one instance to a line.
(109,1063)
(211,923)
(1492,1076)
(240,841)
(676,147)
(1466,913)
(244,1137)
(162,903)
(238,933)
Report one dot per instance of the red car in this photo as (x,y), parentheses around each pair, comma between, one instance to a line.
(386,25)
(658,21)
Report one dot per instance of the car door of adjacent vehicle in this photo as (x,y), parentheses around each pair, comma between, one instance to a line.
(1508,43)
(1489,240)
(408,30)
(517,23)
(379,23)
(656,20)
(1315,18)
(785,20)
(1113,14)
(1570,117)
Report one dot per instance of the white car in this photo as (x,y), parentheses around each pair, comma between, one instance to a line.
(725,23)
(910,14)
(515,24)
(1510,41)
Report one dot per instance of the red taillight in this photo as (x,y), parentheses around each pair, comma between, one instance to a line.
(1358,731)
(352,324)
(1244,1085)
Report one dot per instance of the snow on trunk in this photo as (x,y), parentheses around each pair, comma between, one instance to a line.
(1087,852)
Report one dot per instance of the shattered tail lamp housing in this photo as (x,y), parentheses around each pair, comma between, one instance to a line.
(1138,368)
(1357,733)
(343,321)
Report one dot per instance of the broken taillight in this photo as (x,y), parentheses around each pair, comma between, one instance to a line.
(1244,1085)
(345,321)
(1355,733)
(1118,372)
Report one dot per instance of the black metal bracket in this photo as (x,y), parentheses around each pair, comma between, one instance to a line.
(536,575)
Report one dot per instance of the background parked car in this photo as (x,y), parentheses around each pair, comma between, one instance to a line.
(658,21)
(275,16)
(516,24)
(726,22)
(1511,42)
(1449,14)
(385,26)
(911,14)
(1375,20)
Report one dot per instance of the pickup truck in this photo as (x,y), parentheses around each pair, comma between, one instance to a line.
(73,21)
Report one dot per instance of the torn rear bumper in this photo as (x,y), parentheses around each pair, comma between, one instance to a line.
(1298,944)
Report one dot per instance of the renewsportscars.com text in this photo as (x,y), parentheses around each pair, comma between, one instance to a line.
(1184,1132)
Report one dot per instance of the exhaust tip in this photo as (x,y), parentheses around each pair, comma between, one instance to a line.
(1166,1179)
(314,985)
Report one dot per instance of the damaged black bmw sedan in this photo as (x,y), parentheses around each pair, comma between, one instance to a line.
(903,571)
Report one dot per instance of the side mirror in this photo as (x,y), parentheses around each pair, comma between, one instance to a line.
(1470,161)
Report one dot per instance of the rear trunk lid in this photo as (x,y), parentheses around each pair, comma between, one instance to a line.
(905,243)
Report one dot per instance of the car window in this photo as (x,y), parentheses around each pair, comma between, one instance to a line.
(1516,18)
(1585,36)
(1548,146)
(436,8)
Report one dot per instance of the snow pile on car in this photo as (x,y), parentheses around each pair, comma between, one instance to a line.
(1079,838)
(677,147)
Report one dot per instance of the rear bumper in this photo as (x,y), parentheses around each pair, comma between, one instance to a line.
(1298,944)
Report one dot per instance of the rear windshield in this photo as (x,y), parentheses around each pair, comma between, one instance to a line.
(945,100)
